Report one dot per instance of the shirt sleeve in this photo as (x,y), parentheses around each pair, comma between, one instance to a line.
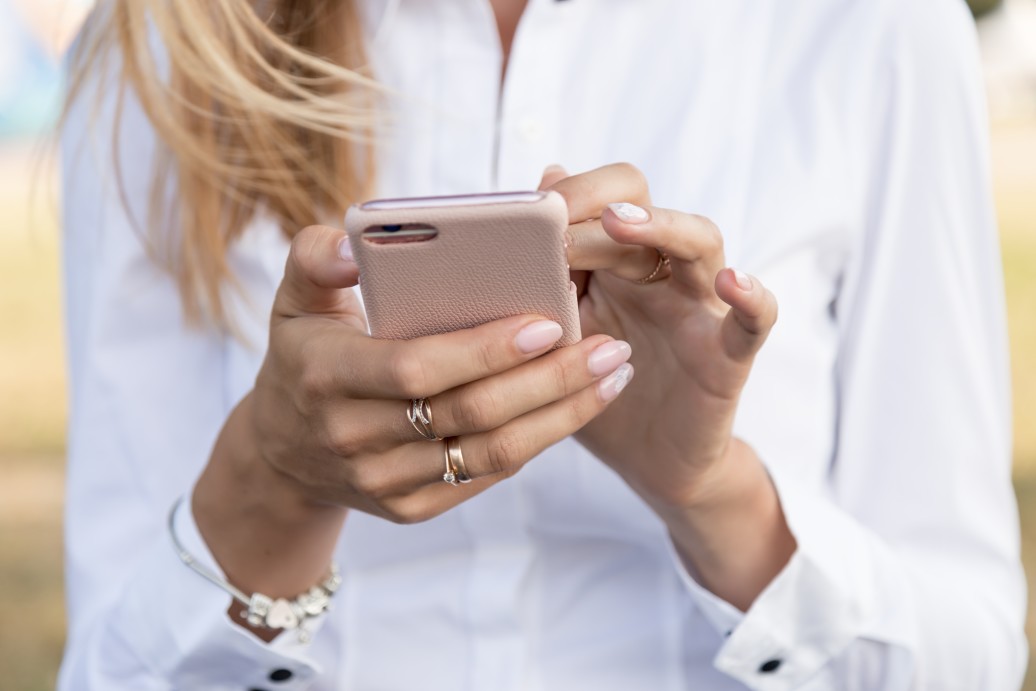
(148,396)
(907,573)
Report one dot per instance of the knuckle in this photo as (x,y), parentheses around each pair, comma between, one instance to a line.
(566,373)
(487,354)
(711,236)
(374,486)
(635,176)
(312,381)
(406,512)
(504,454)
(573,190)
(582,409)
(587,407)
(304,245)
(341,440)
(407,373)
(396,514)
(478,409)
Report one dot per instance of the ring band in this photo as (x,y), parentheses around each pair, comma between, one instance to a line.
(420,415)
(455,460)
(450,476)
(663,262)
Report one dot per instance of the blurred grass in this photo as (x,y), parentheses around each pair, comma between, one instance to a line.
(32,426)
(32,362)
(1014,166)
(33,401)
(1014,170)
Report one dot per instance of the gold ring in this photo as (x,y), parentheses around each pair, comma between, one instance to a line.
(420,415)
(663,262)
(450,476)
(455,459)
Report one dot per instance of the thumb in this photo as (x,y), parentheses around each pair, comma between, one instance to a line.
(552,175)
(753,312)
(320,267)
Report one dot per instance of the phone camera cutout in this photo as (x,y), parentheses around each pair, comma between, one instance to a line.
(399,233)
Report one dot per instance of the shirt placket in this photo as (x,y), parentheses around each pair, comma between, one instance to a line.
(528,118)
(464,95)
(496,584)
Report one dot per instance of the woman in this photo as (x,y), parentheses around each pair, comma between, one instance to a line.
(842,518)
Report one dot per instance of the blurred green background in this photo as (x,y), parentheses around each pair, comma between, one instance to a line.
(32,376)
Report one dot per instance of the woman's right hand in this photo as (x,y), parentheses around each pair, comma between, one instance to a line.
(325,428)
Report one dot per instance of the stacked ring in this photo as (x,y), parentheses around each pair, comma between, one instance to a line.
(456,472)
(420,415)
(455,458)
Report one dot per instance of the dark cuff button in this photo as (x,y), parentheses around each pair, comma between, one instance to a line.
(281,675)
(770,666)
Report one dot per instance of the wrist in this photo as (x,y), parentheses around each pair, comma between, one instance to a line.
(722,481)
(262,528)
(733,535)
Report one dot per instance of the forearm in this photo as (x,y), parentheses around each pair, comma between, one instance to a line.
(733,537)
(856,607)
(265,535)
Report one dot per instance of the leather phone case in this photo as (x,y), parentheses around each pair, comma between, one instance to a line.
(488,261)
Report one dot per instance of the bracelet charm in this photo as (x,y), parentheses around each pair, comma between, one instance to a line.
(263,611)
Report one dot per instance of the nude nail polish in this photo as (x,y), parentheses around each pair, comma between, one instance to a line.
(538,335)
(630,213)
(611,386)
(606,357)
(743,281)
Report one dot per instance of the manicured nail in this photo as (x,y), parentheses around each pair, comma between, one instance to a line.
(345,250)
(606,357)
(743,281)
(554,169)
(611,386)
(537,336)
(630,213)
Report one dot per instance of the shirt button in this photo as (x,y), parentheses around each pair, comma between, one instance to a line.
(531,130)
(770,665)
(281,675)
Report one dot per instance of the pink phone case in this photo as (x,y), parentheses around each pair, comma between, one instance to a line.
(495,256)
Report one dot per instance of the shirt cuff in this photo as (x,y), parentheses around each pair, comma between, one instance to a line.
(824,598)
(181,629)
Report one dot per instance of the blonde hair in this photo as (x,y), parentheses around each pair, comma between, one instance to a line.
(265,107)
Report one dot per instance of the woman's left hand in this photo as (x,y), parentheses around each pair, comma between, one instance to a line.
(694,328)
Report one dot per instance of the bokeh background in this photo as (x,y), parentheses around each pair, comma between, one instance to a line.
(33,34)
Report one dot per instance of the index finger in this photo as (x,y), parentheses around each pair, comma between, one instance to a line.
(423,367)
(587,194)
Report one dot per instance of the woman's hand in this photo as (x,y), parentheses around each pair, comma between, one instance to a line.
(325,429)
(695,328)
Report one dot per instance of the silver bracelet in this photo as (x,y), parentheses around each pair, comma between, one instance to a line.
(264,611)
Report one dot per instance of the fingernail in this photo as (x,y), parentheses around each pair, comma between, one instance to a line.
(537,336)
(345,250)
(611,386)
(630,213)
(743,281)
(606,357)
(554,169)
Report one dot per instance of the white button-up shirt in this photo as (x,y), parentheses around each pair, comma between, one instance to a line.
(840,146)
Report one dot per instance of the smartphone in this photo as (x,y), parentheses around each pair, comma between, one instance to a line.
(433,265)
